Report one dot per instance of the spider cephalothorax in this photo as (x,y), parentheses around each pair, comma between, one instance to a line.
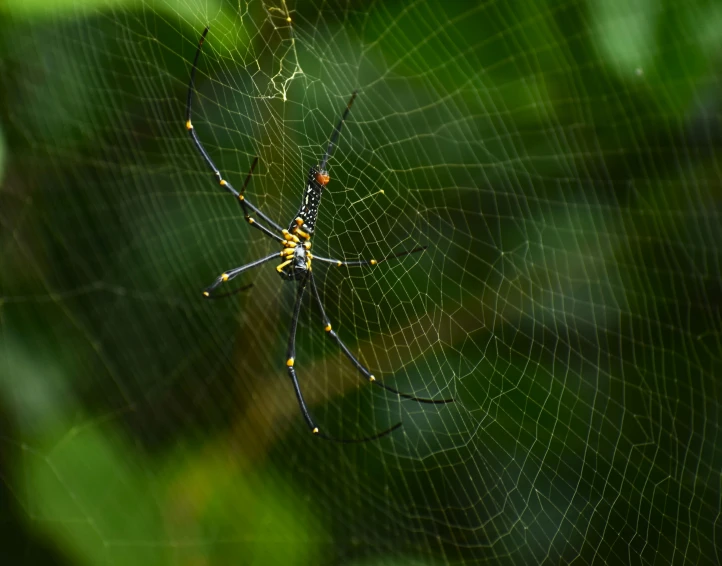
(296,257)
(296,252)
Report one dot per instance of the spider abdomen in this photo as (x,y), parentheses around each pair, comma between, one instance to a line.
(311,199)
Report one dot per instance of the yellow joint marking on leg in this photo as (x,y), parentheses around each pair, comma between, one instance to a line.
(338,263)
(284,264)
(240,197)
(189,126)
(289,362)
(288,19)
(290,237)
(223,182)
(224,276)
(250,220)
(373,262)
(372,378)
(315,430)
(206,294)
(328,327)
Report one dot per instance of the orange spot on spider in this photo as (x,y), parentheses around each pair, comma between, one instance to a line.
(322,178)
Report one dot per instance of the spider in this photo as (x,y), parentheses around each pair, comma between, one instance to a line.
(296,258)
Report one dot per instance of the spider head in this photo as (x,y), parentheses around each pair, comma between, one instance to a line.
(300,261)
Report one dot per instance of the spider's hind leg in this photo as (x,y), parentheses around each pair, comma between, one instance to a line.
(246,203)
(212,166)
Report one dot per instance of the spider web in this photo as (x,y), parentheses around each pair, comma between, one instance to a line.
(561,162)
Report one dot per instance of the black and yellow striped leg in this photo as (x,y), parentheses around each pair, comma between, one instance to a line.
(219,178)
(228,275)
(366,373)
(260,226)
(364,262)
(336,133)
(290,365)
(245,203)
(215,296)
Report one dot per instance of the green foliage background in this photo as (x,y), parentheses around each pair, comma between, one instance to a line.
(563,160)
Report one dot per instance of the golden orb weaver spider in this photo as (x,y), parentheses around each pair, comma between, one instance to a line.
(296,257)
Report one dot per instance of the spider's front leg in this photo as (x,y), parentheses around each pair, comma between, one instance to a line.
(290,365)
(364,371)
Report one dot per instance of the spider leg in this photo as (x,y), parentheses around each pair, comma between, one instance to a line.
(219,177)
(230,293)
(233,273)
(367,374)
(290,361)
(363,262)
(336,133)
(245,203)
